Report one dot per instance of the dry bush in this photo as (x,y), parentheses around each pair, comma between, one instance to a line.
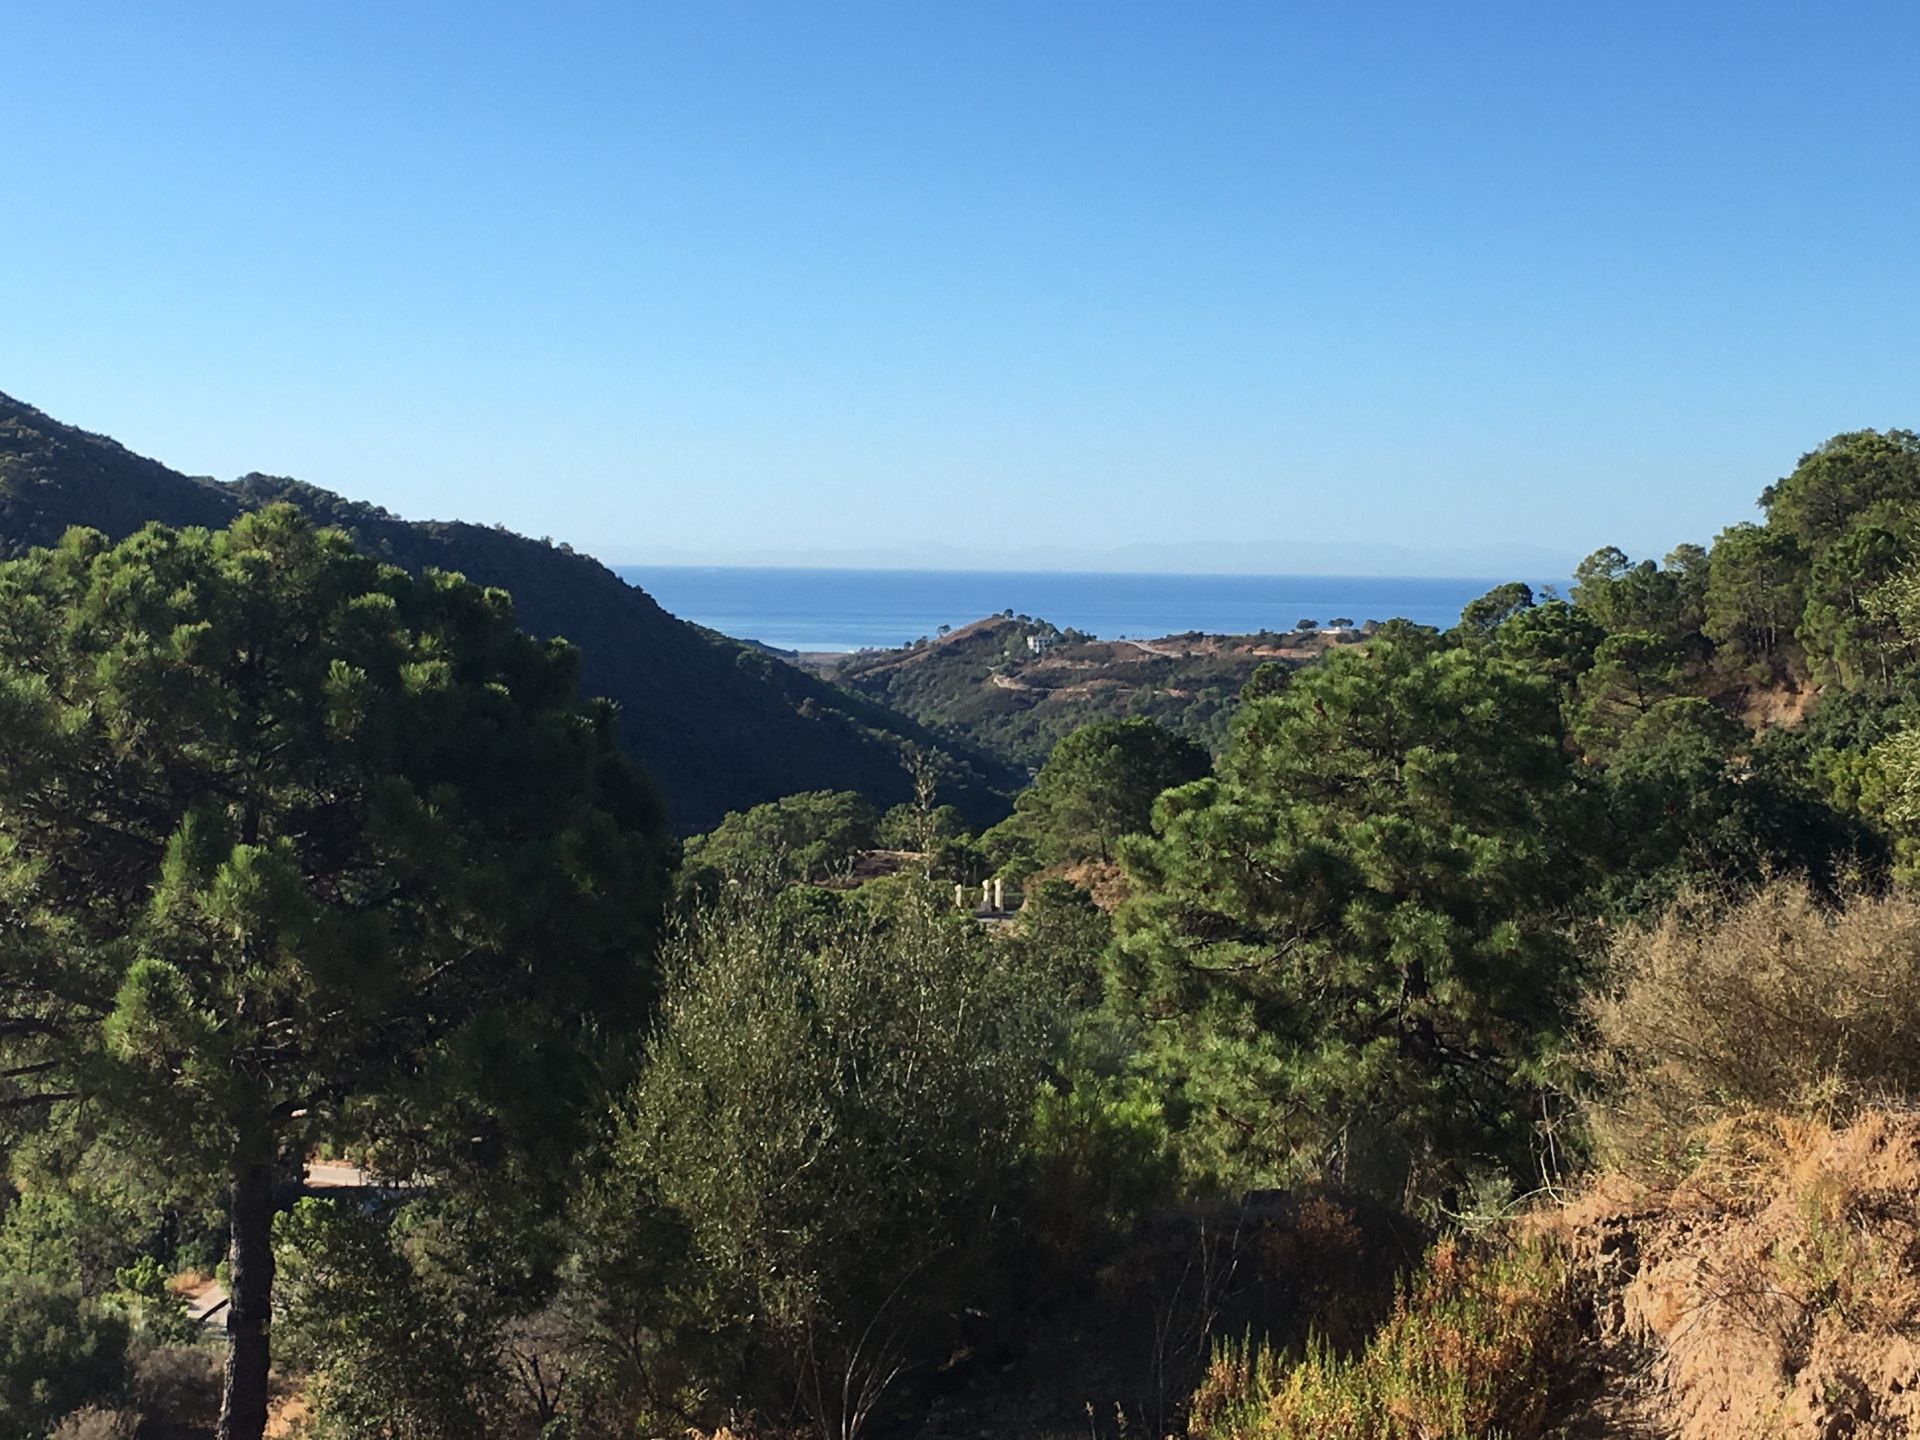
(1843,1228)
(1773,1003)
(178,1389)
(95,1423)
(1824,1217)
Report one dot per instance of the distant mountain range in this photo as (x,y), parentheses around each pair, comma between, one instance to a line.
(719,725)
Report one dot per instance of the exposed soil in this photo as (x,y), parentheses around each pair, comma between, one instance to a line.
(1775,1292)
(1785,704)
(1104,880)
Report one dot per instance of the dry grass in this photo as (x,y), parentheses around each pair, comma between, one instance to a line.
(95,1423)
(1833,1211)
(1771,1004)
(1774,1290)
(1471,1351)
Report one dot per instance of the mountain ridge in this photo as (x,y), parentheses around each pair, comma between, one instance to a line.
(718,725)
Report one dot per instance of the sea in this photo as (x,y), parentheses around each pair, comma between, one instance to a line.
(844,610)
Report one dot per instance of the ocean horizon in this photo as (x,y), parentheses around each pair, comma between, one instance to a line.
(793,608)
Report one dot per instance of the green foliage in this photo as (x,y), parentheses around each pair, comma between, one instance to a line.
(159,1316)
(1663,600)
(1845,626)
(1270,678)
(1485,615)
(1101,1151)
(959,859)
(1471,1352)
(433,1311)
(831,1107)
(807,838)
(1063,936)
(81,1228)
(1690,808)
(1009,849)
(1894,789)
(1867,752)
(1896,602)
(1554,639)
(1756,591)
(1632,672)
(1842,480)
(1690,568)
(393,1352)
(303,785)
(1102,1154)
(721,726)
(300,848)
(1348,948)
(1671,785)
(57,1353)
(1100,784)
(909,827)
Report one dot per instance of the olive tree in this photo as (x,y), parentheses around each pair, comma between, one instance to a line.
(831,1107)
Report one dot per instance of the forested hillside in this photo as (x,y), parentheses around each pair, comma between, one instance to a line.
(719,726)
(1509,1030)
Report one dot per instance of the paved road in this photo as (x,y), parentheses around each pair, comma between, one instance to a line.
(207,1301)
(333,1175)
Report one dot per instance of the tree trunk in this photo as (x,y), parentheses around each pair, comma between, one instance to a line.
(243,1396)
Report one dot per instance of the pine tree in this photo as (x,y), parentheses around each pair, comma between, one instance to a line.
(1349,943)
(1100,784)
(296,847)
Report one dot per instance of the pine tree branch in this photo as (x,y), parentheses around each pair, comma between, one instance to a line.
(27,1102)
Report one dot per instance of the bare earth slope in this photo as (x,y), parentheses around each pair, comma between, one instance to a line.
(1775,1292)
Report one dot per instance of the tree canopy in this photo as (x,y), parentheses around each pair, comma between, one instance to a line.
(298,847)
(1349,947)
(803,837)
(829,1119)
(300,850)
(1100,784)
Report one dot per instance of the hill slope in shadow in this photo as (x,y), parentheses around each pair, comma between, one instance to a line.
(719,725)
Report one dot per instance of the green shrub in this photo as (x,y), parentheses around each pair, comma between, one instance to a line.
(1099,784)
(807,837)
(392,1353)
(1470,1352)
(1348,951)
(914,827)
(57,1353)
(157,1314)
(809,1171)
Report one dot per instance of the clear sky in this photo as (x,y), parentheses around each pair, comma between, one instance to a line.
(811,281)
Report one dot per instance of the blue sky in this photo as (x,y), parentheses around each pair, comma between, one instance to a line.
(1336,286)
